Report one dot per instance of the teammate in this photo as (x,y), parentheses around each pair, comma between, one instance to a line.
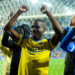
(7,57)
(68,44)
(23,29)
(7,53)
(11,55)
(35,51)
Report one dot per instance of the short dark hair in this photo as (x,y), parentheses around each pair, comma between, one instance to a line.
(26,29)
(37,20)
(42,22)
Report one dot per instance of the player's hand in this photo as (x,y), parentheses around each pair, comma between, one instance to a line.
(23,8)
(44,9)
(72,23)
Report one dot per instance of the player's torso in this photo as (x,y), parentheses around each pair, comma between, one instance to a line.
(36,55)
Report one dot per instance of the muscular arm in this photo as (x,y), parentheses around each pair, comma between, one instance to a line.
(10,24)
(8,28)
(56,38)
(58,30)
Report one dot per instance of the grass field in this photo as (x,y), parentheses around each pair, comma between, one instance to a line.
(56,67)
(1,67)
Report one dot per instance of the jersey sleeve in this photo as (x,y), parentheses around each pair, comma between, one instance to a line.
(67,39)
(21,39)
(67,28)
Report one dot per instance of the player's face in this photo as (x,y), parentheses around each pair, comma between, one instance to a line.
(37,30)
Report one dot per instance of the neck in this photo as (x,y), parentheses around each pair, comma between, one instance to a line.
(37,38)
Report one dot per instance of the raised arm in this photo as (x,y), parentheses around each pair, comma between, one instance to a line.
(8,28)
(58,30)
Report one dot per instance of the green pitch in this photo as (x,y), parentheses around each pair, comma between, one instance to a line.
(1,67)
(56,66)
